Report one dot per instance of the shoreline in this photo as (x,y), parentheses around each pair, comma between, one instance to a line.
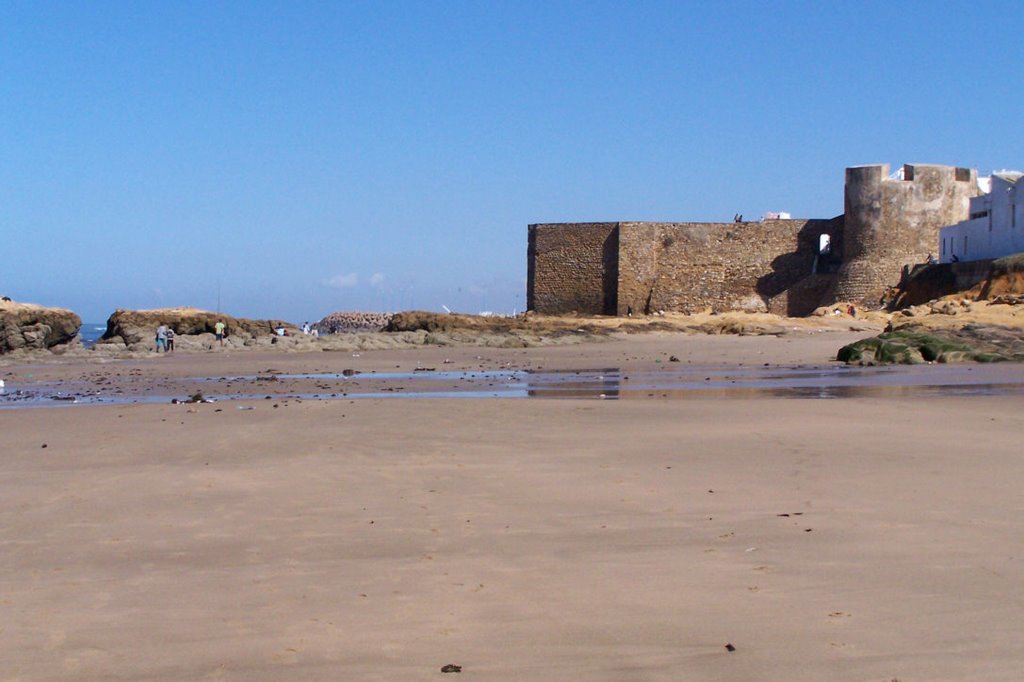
(133,333)
(656,365)
(816,346)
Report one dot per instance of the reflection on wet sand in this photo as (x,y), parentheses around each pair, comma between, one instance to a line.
(689,382)
(786,382)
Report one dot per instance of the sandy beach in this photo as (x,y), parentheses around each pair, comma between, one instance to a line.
(545,539)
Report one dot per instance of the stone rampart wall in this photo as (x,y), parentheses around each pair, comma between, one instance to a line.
(690,267)
(642,267)
(617,268)
(572,268)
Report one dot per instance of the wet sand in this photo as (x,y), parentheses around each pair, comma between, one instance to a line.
(856,539)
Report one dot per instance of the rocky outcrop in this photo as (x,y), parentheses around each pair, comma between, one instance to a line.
(914,344)
(413,321)
(339,323)
(24,326)
(981,323)
(136,329)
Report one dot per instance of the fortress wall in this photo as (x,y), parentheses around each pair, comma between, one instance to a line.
(638,265)
(891,223)
(689,267)
(572,267)
(617,268)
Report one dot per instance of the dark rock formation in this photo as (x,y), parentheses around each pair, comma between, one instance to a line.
(981,280)
(136,329)
(914,344)
(24,326)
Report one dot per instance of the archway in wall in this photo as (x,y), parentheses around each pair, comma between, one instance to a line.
(825,245)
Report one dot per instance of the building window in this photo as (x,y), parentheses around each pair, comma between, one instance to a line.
(943,246)
(965,244)
(979,214)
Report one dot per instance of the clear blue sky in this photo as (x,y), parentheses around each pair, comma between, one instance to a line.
(309,157)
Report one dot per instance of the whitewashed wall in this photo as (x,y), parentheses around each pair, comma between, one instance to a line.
(997,234)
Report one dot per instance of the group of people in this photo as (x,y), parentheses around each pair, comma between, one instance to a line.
(165,336)
(164,339)
(306,329)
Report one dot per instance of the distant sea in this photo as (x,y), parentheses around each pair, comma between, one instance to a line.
(91,332)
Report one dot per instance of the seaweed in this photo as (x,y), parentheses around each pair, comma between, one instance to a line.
(910,346)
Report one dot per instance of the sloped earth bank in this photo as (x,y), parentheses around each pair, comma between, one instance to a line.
(974,280)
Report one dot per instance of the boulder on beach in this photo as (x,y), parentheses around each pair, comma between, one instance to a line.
(25,326)
(136,329)
(911,344)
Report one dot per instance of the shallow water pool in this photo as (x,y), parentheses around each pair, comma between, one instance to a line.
(688,383)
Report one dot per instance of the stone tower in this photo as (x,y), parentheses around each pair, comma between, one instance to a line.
(891,222)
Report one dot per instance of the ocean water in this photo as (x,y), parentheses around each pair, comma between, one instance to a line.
(91,332)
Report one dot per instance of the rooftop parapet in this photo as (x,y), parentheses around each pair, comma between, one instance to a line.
(909,172)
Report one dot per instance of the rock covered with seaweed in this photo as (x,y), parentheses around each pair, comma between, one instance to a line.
(913,344)
(983,321)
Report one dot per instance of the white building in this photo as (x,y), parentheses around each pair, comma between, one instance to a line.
(996,226)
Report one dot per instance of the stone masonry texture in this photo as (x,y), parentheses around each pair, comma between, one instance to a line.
(572,270)
(892,224)
(640,267)
(622,268)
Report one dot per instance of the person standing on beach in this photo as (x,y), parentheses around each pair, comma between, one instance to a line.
(218,330)
(170,339)
(161,338)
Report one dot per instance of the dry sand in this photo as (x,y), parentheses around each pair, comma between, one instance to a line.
(521,539)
